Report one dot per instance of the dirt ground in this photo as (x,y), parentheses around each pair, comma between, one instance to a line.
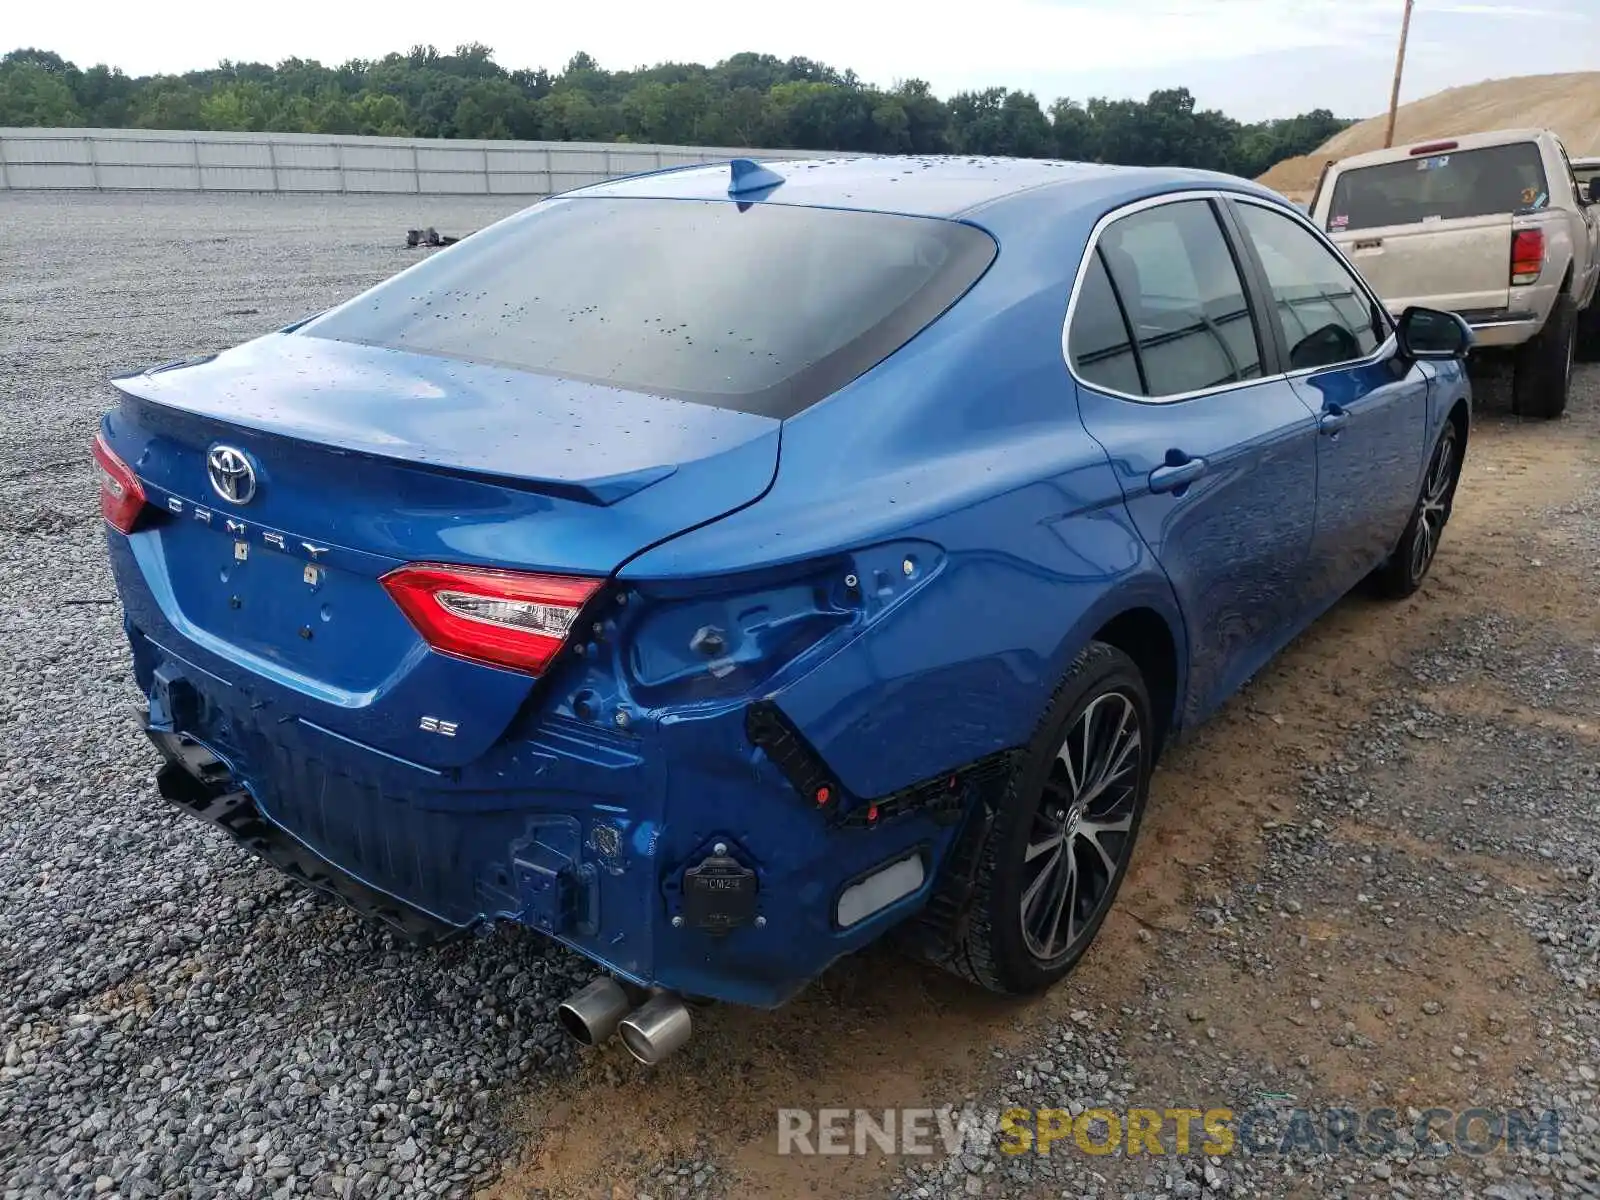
(1564,103)
(1334,898)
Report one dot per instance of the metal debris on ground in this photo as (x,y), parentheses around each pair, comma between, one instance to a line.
(430,237)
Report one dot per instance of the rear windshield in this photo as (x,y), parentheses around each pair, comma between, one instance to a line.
(765,310)
(1462,183)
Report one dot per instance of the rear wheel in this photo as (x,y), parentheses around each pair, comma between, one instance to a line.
(1588,346)
(1408,564)
(1055,856)
(1543,371)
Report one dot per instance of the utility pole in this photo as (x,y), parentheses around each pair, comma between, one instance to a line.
(1399,66)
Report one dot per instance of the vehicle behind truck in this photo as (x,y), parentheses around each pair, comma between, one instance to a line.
(1493,226)
(1585,170)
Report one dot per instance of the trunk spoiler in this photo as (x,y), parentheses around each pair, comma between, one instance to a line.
(600,491)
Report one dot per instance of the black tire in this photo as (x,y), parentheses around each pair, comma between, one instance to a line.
(1407,565)
(991,947)
(1543,372)
(1588,347)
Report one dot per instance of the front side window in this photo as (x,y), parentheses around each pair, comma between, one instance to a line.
(1325,316)
(1183,298)
(763,308)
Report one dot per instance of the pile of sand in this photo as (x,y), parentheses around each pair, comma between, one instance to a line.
(1568,104)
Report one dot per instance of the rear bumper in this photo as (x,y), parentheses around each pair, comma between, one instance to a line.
(594,836)
(1496,328)
(1503,327)
(197,783)
(585,872)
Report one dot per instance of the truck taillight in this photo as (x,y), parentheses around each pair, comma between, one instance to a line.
(513,619)
(122,499)
(1527,256)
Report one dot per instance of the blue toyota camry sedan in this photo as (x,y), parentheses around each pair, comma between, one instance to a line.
(720,568)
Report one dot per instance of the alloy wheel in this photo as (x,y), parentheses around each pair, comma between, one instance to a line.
(1082,830)
(1435,504)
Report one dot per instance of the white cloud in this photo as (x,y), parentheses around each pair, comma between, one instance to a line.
(1507,10)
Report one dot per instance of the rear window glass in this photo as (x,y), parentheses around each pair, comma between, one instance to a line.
(1444,186)
(765,310)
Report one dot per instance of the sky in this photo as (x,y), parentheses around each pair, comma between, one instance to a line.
(1251,58)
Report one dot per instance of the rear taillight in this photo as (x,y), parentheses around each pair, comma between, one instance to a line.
(1527,256)
(511,619)
(121,497)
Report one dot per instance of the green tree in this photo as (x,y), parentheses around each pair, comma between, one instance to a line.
(106,96)
(995,121)
(1074,130)
(749,99)
(168,103)
(33,95)
(246,106)
(380,116)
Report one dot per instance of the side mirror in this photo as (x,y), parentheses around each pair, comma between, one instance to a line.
(1591,191)
(1429,333)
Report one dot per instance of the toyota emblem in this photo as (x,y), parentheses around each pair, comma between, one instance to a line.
(232,476)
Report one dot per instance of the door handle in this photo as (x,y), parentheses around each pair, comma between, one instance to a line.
(1333,419)
(1174,476)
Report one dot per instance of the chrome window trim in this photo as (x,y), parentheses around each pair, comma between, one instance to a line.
(1383,351)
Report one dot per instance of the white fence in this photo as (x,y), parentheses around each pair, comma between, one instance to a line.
(177,160)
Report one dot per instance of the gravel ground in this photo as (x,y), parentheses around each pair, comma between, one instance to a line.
(1373,881)
(1422,925)
(175,1020)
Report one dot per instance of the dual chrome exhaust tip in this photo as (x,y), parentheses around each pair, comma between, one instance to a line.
(652,1031)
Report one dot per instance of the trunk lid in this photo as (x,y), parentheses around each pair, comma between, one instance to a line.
(1458,265)
(367,458)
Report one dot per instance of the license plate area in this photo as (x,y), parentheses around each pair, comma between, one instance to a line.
(315,608)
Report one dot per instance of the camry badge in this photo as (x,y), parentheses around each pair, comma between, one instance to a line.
(232,476)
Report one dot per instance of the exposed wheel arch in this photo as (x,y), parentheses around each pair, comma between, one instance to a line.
(1144,636)
(1461,418)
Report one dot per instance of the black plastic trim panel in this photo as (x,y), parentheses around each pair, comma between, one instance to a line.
(194,781)
(944,797)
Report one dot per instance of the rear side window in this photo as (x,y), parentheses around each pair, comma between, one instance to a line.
(764,310)
(1445,186)
(1102,352)
(1325,316)
(1183,298)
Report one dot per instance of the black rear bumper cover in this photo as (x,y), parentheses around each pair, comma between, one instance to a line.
(200,785)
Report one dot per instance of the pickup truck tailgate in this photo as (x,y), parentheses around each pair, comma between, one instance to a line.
(1458,265)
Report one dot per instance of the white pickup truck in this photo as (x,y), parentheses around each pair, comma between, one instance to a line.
(1493,226)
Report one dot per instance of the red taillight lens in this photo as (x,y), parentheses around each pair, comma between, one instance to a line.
(1527,256)
(502,618)
(121,497)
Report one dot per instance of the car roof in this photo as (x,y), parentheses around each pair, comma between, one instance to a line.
(915,185)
